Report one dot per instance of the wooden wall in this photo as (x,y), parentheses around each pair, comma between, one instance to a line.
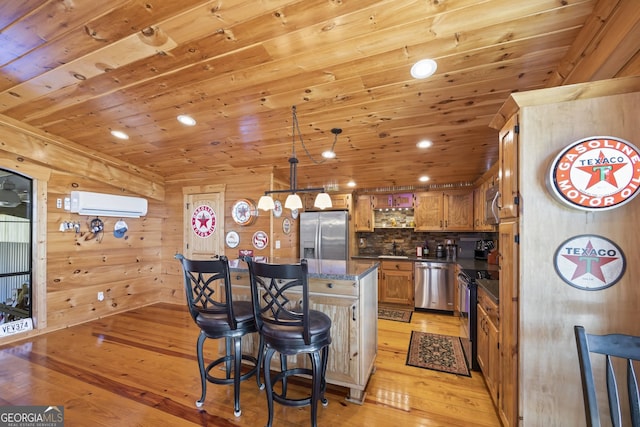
(70,269)
(550,388)
(236,187)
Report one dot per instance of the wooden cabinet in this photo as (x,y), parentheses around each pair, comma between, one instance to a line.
(480,205)
(339,201)
(352,306)
(395,285)
(450,210)
(390,201)
(487,346)
(363,215)
(508,158)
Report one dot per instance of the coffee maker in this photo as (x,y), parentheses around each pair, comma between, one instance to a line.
(483,247)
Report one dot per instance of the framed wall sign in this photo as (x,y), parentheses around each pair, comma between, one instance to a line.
(589,262)
(277,208)
(260,240)
(286,226)
(232,239)
(596,173)
(243,212)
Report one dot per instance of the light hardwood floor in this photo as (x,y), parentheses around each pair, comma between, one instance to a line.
(139,369)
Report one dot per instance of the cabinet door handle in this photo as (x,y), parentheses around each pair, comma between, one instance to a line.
(353,311)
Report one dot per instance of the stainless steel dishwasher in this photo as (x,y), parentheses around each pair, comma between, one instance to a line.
(434,282)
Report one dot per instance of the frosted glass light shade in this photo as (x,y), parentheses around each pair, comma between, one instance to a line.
(266,203)
(293,202)
(323,201)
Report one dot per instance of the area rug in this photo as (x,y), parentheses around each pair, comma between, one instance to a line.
(394,314)
(438,352)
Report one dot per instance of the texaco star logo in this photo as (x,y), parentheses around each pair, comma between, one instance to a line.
(589,262)
(203,221)
(596,173)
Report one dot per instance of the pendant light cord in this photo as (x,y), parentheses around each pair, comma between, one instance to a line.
(296,128)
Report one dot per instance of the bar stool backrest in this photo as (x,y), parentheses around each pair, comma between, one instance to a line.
(280,294)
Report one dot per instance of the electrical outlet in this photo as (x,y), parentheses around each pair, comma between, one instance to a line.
(100,296)
(59,203)
(277,244)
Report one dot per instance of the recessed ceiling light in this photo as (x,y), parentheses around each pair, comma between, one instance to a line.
(186,120)
(328,154)
(119,134)
(424,68)
(351,183)
(424,178)
(425,143)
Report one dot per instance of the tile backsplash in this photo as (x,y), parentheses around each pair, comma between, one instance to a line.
(380,242)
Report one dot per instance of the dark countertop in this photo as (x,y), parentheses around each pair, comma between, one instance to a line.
(464,263)
(491,287)
(321,269)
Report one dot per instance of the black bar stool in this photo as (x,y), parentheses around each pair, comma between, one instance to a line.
(280,294)
(219,318)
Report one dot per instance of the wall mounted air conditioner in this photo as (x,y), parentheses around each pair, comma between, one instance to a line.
(101,204)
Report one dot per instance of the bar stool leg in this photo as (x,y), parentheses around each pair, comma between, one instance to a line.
(203,375)
(267,380)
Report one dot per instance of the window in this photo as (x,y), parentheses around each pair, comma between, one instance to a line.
(15,246)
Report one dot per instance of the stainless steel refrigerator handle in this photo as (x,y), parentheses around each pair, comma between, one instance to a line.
(319,240)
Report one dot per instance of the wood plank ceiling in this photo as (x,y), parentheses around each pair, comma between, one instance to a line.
(79,69)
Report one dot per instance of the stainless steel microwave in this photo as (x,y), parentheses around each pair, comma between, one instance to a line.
(491,214)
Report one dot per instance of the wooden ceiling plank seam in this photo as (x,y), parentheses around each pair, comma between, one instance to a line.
(624,41)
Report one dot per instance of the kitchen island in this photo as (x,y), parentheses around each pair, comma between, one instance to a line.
(347,291)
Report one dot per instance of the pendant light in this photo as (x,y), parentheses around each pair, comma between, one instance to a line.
(293,201)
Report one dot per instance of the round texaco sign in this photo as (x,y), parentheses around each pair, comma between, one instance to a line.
(203,221)
(596,173)
(589,262)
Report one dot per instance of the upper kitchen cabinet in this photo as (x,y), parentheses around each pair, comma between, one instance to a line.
(392,201)
(340,202)
(508,183)
(439,211)
(363,213)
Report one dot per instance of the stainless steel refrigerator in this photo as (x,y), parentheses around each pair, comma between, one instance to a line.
(324,235)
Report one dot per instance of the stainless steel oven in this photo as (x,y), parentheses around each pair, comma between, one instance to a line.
(468,294)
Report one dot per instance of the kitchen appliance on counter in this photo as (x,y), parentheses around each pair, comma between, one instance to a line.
(324,235)
(483,247)
(434,285)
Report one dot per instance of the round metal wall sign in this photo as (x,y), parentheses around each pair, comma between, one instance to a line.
(589,262)
(596,173)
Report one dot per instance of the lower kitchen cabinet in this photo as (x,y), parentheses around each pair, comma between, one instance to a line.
(488,341)
(352,306)
(395,285)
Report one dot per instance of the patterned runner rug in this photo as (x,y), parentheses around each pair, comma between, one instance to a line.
(394,314)
(438,352)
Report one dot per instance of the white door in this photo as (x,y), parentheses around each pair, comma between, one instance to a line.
(204,225)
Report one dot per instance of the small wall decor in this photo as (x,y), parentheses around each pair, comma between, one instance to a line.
(232,239)
(277,208)
(589,262)
(260,240)
(286,226)
(203,221)
(243,212)
(596,173)
(294,213)
(245,252)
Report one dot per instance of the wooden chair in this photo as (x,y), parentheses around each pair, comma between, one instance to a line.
(280,295)
(219,318)
(613,345)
